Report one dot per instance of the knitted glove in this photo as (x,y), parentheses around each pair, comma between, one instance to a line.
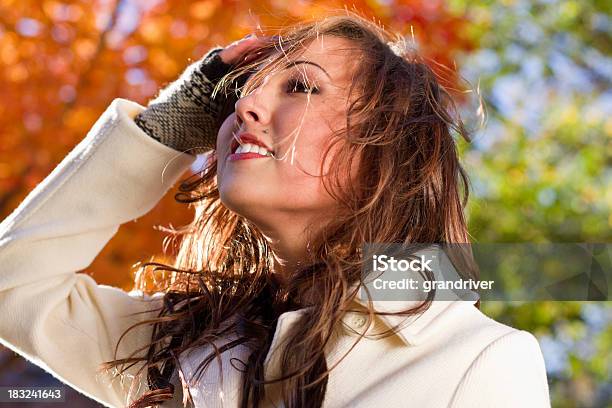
(184,116)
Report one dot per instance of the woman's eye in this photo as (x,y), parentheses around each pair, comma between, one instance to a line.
(299,86)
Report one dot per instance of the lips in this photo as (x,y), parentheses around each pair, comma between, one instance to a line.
(247,138)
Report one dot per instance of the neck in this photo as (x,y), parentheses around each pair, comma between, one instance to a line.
(288,239)
(289,249)
(289,255)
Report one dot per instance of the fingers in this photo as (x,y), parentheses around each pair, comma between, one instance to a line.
(232,53)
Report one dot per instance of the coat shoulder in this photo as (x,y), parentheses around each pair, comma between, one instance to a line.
(508,370)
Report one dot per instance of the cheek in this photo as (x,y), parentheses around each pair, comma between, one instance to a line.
(317,148)
(305,176)
(331,152)
(316,137)
(304,190)
(225,133)
(224,138)
(317,130)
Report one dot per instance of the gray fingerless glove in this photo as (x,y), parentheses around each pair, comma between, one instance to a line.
(184,116)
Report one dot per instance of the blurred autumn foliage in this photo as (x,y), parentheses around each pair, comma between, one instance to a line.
(62,64)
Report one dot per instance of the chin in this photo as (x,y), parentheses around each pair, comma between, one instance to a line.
(240,198)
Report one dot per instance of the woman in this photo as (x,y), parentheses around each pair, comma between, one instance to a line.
(337,140)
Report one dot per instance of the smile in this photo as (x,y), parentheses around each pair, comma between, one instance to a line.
(249,151)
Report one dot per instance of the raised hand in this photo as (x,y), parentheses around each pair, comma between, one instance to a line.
(184,115)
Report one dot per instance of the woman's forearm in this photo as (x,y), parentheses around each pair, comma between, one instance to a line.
(51,314)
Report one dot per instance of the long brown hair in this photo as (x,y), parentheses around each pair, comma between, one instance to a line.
(410,188)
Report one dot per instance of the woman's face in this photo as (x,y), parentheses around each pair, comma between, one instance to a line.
(297,126)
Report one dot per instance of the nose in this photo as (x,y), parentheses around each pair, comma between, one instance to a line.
(251,110)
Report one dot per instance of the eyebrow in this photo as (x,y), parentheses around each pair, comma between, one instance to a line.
(294,63)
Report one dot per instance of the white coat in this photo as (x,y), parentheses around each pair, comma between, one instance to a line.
(450,356)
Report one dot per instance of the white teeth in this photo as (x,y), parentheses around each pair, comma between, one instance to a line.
(252,148)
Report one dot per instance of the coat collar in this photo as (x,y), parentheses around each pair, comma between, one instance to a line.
(415,329)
